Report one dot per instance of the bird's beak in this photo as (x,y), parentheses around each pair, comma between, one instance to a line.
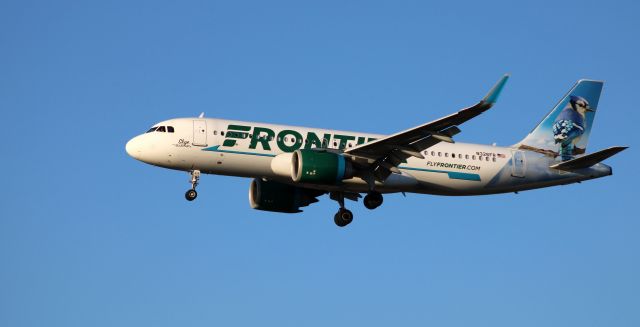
(589,109)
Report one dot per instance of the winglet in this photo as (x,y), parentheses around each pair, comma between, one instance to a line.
(493,95)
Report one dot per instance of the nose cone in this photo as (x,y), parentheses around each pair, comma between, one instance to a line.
(133,148)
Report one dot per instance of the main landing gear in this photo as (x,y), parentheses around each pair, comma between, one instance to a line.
(343,217)
(195,178)
(373,200)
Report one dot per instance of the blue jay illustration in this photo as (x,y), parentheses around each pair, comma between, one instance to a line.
(570,125)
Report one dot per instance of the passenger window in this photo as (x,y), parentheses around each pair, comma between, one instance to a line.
(433,153)
(453,155)
(439,154)
(222,133)
(161,129)
(494,159)
(170,129)
(473,157)
(215,132)
(466,156)
(335,144)
(446,154)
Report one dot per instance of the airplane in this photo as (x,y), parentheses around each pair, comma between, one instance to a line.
(292,166)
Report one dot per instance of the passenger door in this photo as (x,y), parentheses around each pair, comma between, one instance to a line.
(200,132)
(518,166)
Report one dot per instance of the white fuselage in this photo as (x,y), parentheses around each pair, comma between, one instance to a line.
(248,149)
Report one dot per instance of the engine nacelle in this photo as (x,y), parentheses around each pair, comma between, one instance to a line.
(319,167)
(278,197)
(281,164)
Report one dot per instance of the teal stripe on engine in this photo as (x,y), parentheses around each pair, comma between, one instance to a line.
(341,167)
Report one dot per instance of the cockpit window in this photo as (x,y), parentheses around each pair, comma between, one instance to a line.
(152,129)
(170,129)
(161,129)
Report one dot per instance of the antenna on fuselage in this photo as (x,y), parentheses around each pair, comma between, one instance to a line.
(201,115)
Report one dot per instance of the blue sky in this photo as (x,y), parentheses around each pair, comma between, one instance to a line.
(91,237)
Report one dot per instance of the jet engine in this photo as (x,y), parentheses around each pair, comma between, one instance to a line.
(319,167)
(279,197)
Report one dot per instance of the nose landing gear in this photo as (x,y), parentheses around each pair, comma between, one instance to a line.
(191,194)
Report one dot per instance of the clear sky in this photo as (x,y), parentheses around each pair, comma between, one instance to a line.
(91,237)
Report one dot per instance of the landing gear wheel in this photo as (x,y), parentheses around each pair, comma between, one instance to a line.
(343,217)
(195,179)
(373,200)
(191,195)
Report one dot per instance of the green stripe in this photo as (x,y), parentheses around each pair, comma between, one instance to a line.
(239,127)
(216,149)
(451,174)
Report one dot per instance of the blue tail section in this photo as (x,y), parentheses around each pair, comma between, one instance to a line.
(564,132)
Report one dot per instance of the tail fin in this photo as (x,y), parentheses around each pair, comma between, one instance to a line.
(564,132)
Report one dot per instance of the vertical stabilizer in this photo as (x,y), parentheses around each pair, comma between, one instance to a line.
(564,132)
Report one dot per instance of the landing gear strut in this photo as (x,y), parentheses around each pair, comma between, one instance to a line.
(343,217)
(373,200)
(195,178)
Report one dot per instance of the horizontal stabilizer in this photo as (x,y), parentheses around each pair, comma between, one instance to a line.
(588,160)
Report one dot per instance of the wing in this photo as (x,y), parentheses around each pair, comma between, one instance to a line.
(384,155)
